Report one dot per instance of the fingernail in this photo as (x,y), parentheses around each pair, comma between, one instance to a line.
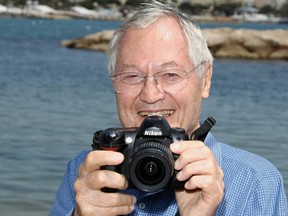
(117,156)
(179,175)
(134,200)
(186,185)
(176,164)
(132,208)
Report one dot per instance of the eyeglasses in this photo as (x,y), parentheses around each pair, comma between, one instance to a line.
(170,80)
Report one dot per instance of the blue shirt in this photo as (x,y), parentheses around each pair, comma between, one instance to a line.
(253,186)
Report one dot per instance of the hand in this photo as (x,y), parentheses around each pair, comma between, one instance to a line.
(204,188)
(90,200)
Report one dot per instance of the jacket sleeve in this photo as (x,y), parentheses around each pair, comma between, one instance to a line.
(64,203)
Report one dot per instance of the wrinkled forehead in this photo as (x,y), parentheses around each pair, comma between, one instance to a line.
(160,45)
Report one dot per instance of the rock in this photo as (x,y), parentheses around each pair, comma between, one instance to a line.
(247,43)
(222,42)
(98,41)
(216,37)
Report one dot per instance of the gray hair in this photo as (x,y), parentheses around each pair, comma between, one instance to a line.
(146,15)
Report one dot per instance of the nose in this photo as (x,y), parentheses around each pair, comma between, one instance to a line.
(151,91)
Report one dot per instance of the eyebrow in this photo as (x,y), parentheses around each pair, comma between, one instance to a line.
(169,64)
(125,66)
(161,66)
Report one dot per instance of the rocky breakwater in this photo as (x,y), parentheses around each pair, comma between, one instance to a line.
(223,43)
(98,41)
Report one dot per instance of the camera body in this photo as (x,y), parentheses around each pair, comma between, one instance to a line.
(149,162)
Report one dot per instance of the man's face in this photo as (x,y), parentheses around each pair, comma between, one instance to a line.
(160,46)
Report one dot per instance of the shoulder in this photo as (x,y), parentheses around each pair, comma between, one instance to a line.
(252,182)
(235,161)
(248,173)
(239,159)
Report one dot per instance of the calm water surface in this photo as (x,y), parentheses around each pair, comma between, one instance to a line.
(52,99)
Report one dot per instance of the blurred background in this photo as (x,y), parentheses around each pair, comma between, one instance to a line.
(52,99)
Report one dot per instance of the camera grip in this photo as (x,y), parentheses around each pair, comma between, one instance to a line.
(106,189)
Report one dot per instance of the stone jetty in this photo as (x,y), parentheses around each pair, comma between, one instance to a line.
(223,43)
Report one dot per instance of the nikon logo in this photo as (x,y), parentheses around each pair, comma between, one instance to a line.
(153,133)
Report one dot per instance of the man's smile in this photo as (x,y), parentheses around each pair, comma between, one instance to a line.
(164,113)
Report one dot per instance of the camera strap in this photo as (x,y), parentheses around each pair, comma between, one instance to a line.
(201,133)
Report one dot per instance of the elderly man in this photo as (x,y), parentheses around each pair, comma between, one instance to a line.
(160,65)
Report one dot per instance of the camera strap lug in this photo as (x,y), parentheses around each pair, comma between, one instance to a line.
(201,133)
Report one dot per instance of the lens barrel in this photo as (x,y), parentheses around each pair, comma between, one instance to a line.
(152,166)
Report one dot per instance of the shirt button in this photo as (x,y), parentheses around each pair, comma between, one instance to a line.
(142,205)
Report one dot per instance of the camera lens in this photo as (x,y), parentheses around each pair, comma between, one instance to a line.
(150,170)
(152,166)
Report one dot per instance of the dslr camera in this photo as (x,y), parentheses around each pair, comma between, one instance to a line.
(149,162)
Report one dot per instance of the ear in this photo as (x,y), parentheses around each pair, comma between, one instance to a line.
(206,82)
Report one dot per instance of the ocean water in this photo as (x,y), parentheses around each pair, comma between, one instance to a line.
(52,100)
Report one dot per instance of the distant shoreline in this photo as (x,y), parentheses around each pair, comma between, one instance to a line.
(222,42)
(59,15)
(67,14)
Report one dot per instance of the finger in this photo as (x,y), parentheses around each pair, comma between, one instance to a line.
(95,159)
(105,178)
(212,189)
(191,155)
(118,210)
(216,178)
(198,182)
(92,201)
(117,199)
(204,167)
(90,209)
(98,198)
(179,147)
